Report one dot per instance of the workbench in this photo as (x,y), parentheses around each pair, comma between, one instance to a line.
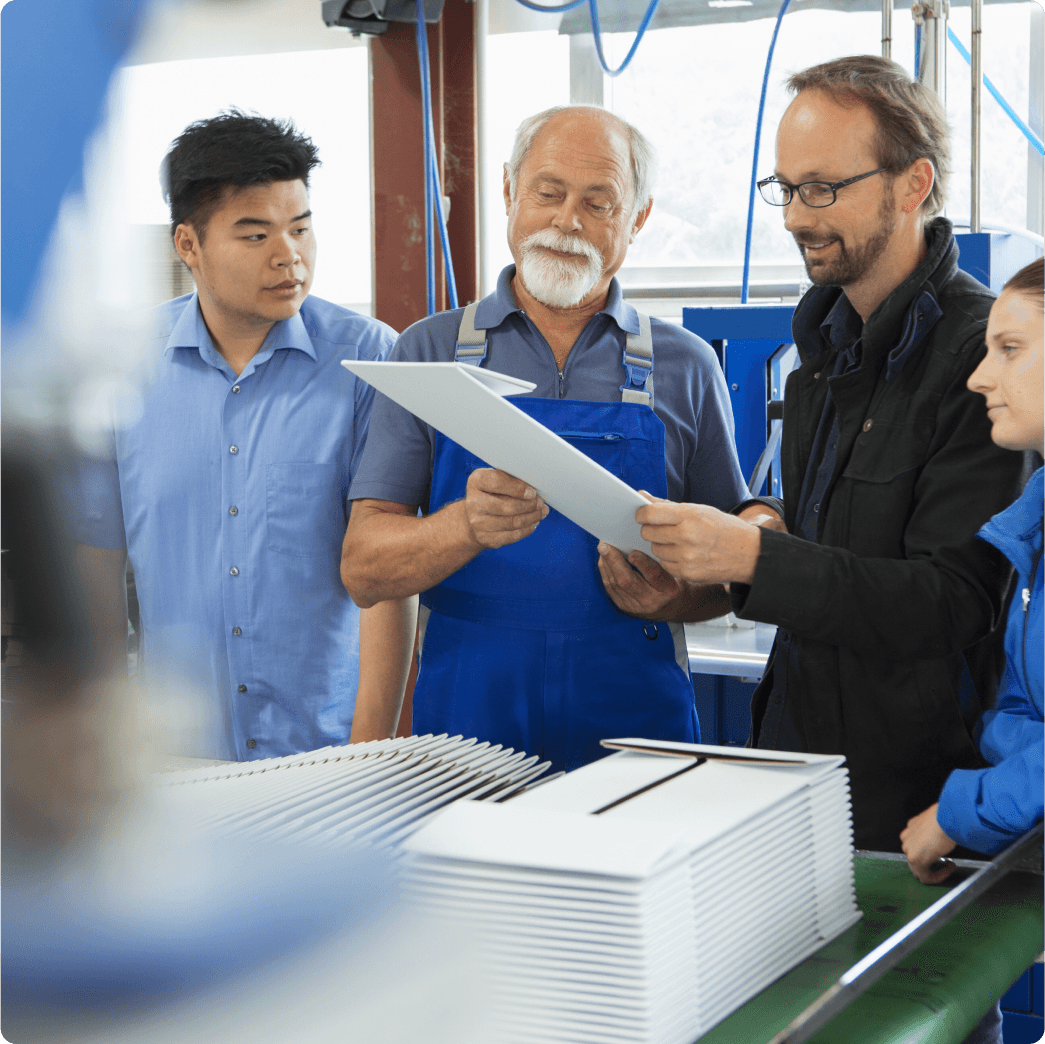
(739,652)
(937,994)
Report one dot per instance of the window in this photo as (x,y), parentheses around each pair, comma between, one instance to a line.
(324,92)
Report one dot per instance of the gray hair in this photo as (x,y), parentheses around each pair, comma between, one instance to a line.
(643,155)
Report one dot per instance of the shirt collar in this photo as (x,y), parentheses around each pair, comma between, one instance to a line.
(842,325)
(190,331)
(495,308)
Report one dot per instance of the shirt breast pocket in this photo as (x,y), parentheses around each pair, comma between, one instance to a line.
(304,513)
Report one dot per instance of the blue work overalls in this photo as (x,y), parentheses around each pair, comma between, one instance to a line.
(522,646)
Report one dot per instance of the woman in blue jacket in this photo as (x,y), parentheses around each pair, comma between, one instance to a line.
(986,809)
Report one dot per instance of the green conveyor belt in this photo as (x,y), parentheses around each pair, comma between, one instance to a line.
(936,994)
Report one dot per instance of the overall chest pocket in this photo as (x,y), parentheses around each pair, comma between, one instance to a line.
(609,448)
(304,514)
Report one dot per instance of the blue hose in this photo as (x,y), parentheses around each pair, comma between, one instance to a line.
(596,32)
(917,51)
(754,162)
(1009,111)
(433,190)
(552,10)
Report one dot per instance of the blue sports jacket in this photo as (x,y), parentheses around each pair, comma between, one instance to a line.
(985,809)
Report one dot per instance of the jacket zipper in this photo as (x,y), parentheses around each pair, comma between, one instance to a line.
(1027,591)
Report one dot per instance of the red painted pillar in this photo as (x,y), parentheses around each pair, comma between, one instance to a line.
(397,158)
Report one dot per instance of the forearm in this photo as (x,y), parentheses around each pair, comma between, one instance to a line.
(695,603)
(390,555)
(913,609)
(386,646)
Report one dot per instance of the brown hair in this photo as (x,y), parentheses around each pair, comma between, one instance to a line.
(1029,280)
(911,122)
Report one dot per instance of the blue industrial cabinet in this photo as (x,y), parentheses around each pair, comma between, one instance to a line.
(753,345)
(1022,1009)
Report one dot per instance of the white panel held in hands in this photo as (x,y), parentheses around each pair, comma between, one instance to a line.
(467,405)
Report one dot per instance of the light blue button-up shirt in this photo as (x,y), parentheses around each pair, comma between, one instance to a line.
(230,494)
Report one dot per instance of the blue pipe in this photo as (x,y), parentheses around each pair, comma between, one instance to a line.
(596,32)
(1009,111)
(422,53)
(433,190)
(754,162)
(917,51)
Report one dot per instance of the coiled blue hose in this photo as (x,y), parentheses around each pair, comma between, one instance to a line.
(552,10)
(754,162)
(596,32)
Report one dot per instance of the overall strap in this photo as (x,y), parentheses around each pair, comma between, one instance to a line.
(638,365)
(471,343)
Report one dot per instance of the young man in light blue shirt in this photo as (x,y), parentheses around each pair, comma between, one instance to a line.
(230,492)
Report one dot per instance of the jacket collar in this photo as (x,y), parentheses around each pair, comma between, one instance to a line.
(895,324)
(1016,532)
(496,307)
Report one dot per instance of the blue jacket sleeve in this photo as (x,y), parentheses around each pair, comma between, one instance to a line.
(985,809)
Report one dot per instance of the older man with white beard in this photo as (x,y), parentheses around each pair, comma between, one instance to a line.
(530,639)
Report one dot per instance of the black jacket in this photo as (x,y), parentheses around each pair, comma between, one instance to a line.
(888,606)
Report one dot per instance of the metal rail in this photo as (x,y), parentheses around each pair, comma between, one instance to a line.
(888,954)
(976,64)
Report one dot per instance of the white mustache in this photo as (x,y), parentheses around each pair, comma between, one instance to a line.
(552,240)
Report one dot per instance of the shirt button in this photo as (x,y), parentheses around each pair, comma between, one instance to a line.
(237,631)
(784,636)
(233,449)
(816,507)
(868,424)
(233,510)
(235,389)
(233,571)
(251,744)
(816,376)
(241,688)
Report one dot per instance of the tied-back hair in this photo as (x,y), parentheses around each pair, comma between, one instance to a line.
(1029,280)
(912,123)
(229,151)
(643,155)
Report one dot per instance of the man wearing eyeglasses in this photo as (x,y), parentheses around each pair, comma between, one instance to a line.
(869,565)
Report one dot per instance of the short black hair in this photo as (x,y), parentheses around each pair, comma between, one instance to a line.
(229,151)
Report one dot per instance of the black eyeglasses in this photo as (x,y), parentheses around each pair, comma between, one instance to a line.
(813,193)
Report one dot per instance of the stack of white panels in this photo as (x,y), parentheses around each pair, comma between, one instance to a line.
(645,897)
(365,794)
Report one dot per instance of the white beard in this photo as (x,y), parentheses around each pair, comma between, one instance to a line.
(554,281)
